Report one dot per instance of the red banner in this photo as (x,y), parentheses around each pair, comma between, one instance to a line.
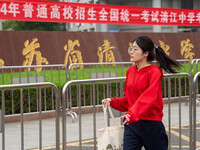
(51,11)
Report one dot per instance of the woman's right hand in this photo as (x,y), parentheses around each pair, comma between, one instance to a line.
(106,101)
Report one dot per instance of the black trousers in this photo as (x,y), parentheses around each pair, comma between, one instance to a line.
(150,134)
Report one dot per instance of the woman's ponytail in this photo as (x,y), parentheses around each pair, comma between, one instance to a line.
(165,62)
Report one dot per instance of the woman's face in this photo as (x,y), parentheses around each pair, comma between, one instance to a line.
(137,55)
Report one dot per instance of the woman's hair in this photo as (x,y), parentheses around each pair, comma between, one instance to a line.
(156,52)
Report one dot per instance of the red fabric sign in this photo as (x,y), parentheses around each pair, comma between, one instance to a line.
(51,11)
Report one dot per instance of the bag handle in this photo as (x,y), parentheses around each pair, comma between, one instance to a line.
(105,107)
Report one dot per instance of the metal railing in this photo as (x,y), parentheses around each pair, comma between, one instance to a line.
(95,70)
(195,64)
(105,70)
(30,74)
(169,128)
(23,74)
(120,80)
(95,66)
(78,82)
(195,69)
(99,69)
(189,112)
(30,85)
(185,64)
(195,96)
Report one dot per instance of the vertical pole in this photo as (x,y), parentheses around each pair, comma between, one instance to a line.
(3,121)
(22,119)
(64,118)
(94,116)
(193,93)
(40,118)
(58,120)
(179,84)
(80,121)
(169,111)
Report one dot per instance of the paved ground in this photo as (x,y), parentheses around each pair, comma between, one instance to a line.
(31,131)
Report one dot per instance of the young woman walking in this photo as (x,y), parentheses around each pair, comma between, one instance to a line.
(143,101)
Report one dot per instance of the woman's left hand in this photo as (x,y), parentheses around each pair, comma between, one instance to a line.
(127,119)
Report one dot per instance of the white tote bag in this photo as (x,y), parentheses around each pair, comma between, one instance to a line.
(110,138)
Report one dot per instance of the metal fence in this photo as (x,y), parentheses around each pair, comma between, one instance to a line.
(182,113)
(195,65)
(80,84)
(93,71)
(105,70)
(195,98)
(116,69)
(194,70)
(56,74)
(98,70)
(59,75)
(173,116)
(33,74)
(14,138)
(176,115)
(88,93)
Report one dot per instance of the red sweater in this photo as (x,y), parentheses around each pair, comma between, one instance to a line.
(143,94)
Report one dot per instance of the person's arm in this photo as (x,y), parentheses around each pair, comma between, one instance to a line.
(120,104)
(147,99)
